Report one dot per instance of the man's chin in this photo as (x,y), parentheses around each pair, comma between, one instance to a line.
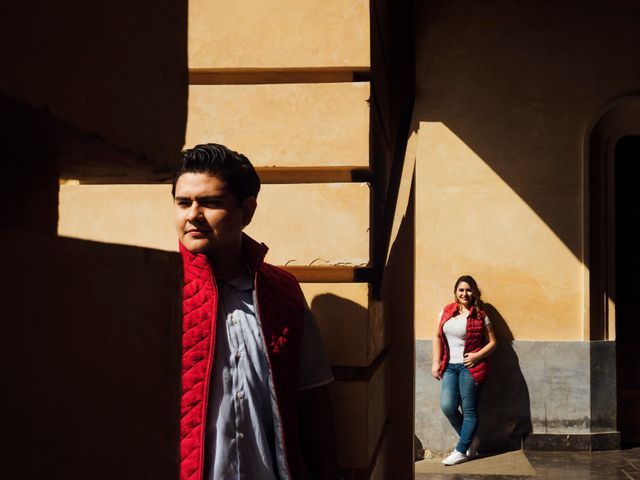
(197,246)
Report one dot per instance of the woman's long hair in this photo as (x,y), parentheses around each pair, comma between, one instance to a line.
(477,301)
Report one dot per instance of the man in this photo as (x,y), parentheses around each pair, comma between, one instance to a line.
(254,370)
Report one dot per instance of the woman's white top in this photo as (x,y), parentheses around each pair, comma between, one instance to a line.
(455,330)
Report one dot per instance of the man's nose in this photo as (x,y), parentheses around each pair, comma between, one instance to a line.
(194,212)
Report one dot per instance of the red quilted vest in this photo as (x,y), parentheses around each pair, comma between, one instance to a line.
(474,340)
(280,308)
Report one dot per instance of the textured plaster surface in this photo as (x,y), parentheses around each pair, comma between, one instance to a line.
(354,334)
(278,33)
(142,215)
(284,125)
(604,401)
(470,221)
(517,86)
(137,215)
(360,409)
(539,387)
(314,224)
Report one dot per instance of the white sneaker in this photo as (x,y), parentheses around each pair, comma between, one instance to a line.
(454,458)
(473,448)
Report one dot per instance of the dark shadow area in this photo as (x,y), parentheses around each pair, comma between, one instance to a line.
(114,70)
(28,160)
(393,62)
(627,264)
(326,306)
(398,294)
(355,336)
(355,344)
(90,332)
(521,82)
(504,409)
(90,360)
(418,449)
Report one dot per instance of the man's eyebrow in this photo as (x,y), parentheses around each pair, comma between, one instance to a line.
(209,198)
(206,198)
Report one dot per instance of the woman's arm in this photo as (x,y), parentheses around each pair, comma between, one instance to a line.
(471,358)
(437,352)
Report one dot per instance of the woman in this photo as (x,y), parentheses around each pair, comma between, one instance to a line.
(461,344)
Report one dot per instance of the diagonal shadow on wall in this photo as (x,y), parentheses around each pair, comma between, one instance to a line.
(521,84)
(90,359)
(91,332)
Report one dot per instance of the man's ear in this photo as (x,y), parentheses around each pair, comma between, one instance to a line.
(248,209)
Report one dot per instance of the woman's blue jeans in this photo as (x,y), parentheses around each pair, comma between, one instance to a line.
(460,392)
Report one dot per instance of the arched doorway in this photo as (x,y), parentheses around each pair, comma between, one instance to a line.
(613,221)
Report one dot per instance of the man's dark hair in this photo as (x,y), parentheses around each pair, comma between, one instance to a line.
(217,160)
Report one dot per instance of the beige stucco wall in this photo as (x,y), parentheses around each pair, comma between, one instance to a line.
(469,221)
(314,224)
(278,33)
(504,109)
(136,215)
(285,124)
(332,228)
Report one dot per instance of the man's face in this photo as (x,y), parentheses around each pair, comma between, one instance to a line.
(208,217)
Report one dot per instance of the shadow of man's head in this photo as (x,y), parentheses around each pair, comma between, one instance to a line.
(329,306)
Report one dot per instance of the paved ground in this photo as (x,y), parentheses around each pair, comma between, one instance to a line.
(611,465)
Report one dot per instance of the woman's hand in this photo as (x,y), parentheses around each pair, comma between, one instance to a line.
(435,370)
(471,359)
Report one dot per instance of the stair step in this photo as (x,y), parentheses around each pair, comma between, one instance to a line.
(337,174)
(331,274)
(254,76)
